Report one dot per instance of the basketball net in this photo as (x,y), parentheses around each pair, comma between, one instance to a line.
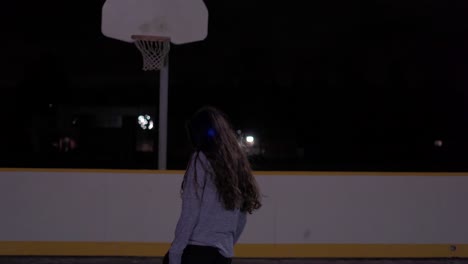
(154,51)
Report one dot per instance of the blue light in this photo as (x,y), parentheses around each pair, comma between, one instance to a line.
(211,132)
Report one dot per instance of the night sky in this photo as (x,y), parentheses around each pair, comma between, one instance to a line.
(355,85)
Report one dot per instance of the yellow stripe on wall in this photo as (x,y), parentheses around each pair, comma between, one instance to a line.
(279,173)
(349,251)
(241,251)
(83,249)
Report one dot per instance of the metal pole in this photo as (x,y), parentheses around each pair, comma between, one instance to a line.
(163,102)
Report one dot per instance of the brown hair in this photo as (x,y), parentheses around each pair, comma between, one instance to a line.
(211,133)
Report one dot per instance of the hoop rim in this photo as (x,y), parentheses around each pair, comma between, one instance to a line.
(150,38)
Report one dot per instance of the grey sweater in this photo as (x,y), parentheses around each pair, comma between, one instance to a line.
(204,220)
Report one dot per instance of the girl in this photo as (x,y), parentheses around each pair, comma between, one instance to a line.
(218,191)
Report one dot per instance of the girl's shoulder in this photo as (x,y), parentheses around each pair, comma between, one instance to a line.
(200,162)
(199,157)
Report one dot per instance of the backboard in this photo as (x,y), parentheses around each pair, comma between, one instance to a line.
(183,21)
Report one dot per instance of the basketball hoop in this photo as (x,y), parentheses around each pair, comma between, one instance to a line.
(154,50)
(153,25)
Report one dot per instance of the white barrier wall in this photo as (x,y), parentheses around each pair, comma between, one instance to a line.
(300,208)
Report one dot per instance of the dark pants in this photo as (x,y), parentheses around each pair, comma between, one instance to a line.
(203,255)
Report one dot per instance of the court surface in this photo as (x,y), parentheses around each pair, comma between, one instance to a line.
(132,260)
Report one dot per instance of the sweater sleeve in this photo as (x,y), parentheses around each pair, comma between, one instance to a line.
(191,204)
(240,226)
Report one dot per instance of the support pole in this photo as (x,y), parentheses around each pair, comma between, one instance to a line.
(163,109)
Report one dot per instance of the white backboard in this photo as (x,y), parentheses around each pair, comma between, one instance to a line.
(183,21)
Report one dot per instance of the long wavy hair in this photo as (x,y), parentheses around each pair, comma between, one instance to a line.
(211,133)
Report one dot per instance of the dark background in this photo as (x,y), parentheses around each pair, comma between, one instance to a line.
(323,85)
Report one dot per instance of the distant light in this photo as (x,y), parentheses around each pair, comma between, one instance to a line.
(249,139)
(438,143)
(145,122)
